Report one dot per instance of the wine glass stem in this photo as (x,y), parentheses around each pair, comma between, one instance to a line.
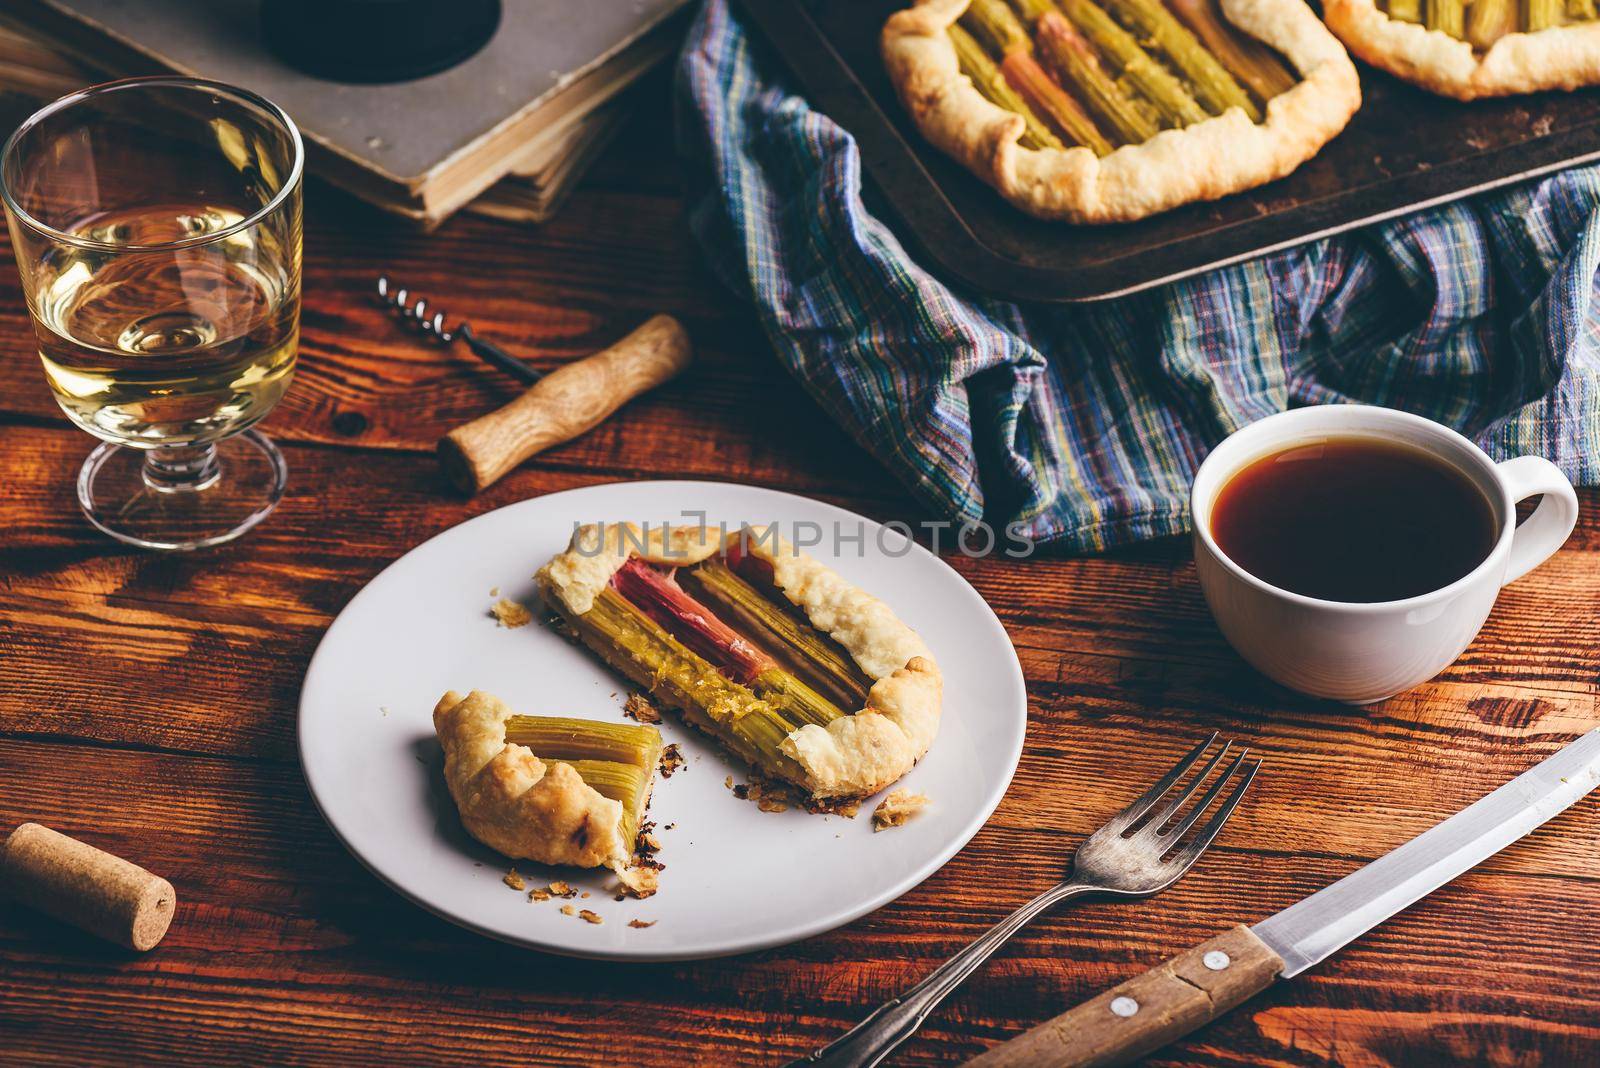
(181,469)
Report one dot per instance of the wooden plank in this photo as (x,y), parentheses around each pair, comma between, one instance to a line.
(210,647)
(285,946)
(149,705)
(330,534)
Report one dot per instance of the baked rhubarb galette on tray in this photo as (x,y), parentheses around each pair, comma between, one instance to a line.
(1112,110)
(1474,48)
(549,788)
(786,665)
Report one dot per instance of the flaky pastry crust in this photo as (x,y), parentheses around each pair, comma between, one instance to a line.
(853,756)
(515,803)
(1210,159)
(1562,57)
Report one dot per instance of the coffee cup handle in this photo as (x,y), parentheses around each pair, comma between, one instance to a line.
(1547,529)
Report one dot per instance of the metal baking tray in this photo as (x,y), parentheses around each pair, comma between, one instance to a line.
(1405,149)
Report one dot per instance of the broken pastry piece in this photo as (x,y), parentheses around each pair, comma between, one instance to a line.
(548,788)
(804,676)
(896,808)
(1095,111)
(1478,49)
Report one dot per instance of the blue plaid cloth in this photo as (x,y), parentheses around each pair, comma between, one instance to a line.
(1085,423)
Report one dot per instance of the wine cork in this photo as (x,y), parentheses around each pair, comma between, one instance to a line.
(86,887)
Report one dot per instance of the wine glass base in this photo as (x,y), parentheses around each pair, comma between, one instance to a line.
(237,492)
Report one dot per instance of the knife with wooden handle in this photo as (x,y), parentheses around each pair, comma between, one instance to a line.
(563,404)
(1197,986)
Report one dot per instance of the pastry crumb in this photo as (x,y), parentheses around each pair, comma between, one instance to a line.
(513,880)
(834,806)
(640,881)
(592,917)
(671,759)
(560,889)
(584,894)
(641,924)
(895,809)
(538,895)
(638,707)
(510,614)
(494,591)
(728,782)
(769,796)
(645,842)
(568,910)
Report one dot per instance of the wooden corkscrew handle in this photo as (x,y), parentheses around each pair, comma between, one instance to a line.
(564,404)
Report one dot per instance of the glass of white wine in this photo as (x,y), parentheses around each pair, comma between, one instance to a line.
(156,225)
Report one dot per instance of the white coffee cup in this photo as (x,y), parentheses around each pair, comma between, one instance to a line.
(1364,652)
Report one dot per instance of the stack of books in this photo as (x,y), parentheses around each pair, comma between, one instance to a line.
(506,133)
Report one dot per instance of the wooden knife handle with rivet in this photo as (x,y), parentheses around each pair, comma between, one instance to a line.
(1149,1010)
(565,403)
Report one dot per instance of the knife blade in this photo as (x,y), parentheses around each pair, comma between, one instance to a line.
(1203,983)
(1307,932)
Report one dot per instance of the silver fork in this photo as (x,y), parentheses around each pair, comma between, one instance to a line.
(1130,856)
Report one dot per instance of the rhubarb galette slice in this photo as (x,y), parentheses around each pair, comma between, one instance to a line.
(548,788)
(1474,48)
(804,676)
(1111,110)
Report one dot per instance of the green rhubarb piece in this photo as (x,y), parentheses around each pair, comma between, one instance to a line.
(1176,107)
(1212,85)
(1074,59)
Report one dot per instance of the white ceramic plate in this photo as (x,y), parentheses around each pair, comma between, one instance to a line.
(736,878)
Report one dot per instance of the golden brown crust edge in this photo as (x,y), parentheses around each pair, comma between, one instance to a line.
(515,803)
(1224,154)
(1563,57)
(855,755)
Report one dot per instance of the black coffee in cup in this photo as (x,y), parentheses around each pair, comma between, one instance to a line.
(1355,519)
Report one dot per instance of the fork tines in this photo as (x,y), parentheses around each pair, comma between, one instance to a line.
(1160,825)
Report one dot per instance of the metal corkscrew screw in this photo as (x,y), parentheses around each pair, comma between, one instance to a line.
(413,311)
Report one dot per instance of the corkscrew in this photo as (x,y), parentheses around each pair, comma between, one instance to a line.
(573,399)
(413,311)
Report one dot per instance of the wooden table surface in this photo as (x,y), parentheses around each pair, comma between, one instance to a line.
(148,706)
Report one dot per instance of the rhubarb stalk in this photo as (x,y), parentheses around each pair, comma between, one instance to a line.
(1490,20)
(998,31)
(1074,59)
(996,27)
(1448,16)
(1213,86)
(811,656)
(1155,82)
(562,738)
(659,597)
(1542,14)
(1065,115)
(655,594)
(986,77)
(1250,61)
(645,653)
(626,784)
(618,760)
